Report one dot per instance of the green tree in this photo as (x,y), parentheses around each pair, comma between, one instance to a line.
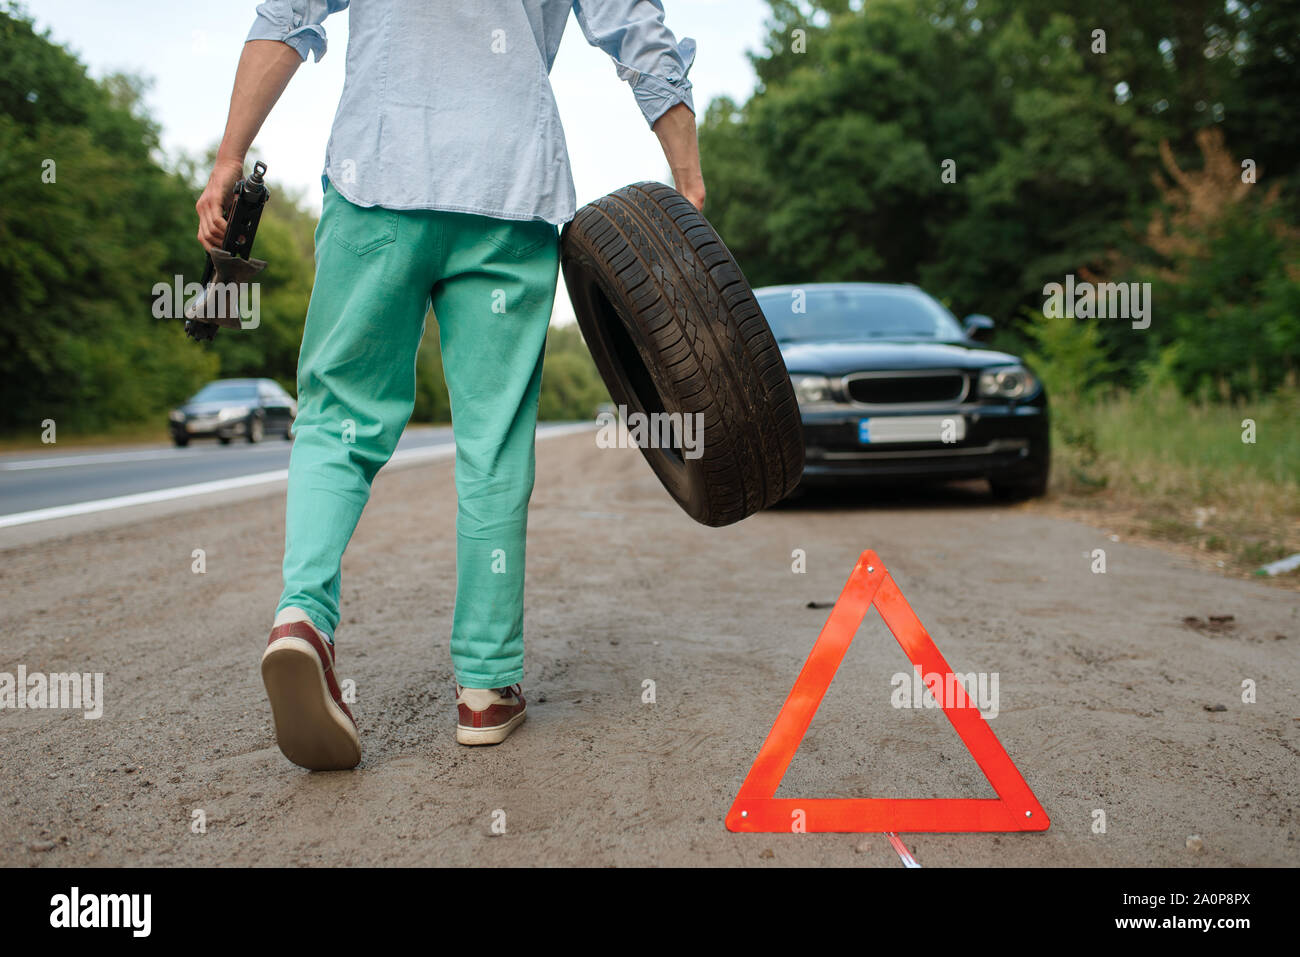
(91,227)
(1047,117)
(90,224)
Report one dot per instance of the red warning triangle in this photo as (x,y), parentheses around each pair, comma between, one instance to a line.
(756,808)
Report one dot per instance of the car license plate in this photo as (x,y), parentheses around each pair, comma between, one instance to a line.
(882,429)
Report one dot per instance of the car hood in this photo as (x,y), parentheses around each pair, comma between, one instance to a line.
(840,358)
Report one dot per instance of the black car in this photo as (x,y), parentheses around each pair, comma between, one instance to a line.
(892,386)
(226,408)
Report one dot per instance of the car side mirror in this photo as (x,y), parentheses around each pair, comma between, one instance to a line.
(978,328)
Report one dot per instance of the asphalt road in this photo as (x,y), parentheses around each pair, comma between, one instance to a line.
(44,479)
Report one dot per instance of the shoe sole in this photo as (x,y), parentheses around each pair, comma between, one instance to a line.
(475,736)
(311,730)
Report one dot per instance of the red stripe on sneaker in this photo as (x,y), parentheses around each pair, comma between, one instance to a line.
(324,650)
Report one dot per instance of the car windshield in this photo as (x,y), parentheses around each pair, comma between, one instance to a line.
(840,313)
(227,392)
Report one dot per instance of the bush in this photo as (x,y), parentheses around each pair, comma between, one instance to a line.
(571,386)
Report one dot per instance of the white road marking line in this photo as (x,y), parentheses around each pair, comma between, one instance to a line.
(140,498)
(445,450)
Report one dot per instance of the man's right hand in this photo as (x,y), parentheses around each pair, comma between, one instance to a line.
(216,197)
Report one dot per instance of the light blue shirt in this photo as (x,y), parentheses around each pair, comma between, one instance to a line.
(447,104)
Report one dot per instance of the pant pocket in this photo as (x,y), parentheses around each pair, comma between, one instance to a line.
(521,239)
(360,229)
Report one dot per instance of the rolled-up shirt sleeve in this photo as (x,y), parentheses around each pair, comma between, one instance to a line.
(295,22)
(644,50)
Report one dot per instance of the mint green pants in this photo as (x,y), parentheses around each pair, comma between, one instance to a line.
(491,283)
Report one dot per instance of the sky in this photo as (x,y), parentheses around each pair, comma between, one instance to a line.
(189,49)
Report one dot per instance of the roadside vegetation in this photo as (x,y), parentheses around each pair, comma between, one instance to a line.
(1156,464)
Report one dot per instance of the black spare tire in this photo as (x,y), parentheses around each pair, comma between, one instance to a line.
(674,328)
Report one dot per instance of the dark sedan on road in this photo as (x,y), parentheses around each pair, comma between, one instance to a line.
(252,408)
(891,386)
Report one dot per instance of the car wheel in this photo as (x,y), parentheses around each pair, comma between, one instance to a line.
(181,441)
(256,429)
(1018,490)
(223,439)
(673,327)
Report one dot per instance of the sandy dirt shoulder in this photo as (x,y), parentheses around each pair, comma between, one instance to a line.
(1103,689)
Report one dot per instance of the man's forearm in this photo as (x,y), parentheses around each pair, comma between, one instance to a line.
(265,68)
(677,136)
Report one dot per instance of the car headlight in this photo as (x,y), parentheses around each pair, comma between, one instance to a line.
(1007,382)
(233,413)
(810,389)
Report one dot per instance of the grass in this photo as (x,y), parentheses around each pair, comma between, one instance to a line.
(1178,471)
(130,434)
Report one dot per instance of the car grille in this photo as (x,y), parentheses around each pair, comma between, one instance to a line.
(909,388)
